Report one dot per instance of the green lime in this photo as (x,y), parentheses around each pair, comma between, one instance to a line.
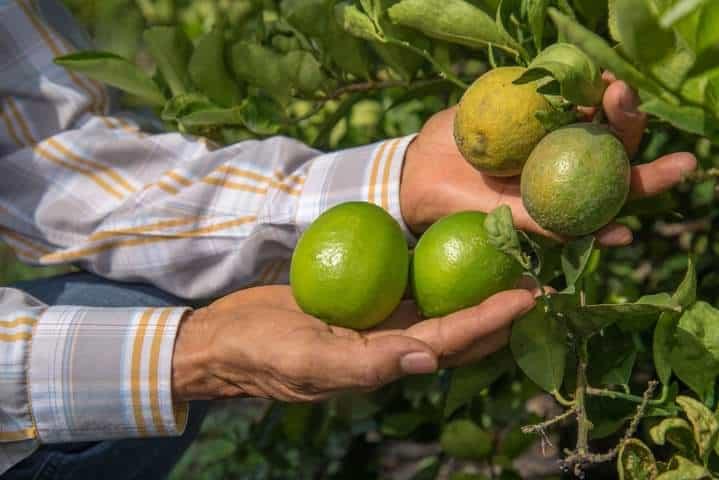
(454,266)
(576,179)
(350,266)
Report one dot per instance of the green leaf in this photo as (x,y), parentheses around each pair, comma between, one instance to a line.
(612,20)
(685,470)
(675,431)
(712,96)
(603,54)
(680,10)
(171,50)
(687,118)
(185,104)
(575,258)
(554,119)
(502,235)
(612,355)
(704,425)
(262,115)
(674,67)
(539,346)
(118,27)
(686,293)
(348,52)
(209,72)
(261,67)
(468,381)
(213,116)
(356,23)
(589,319)
(116,72)
(537,15)
(694,88)
(402,60)
(696,343)
(307,16)
(707,36)
(635,461)
(579,79)
(464,439)
(685,296)
(303,71)
(642,38)
(640,324)
(455,21)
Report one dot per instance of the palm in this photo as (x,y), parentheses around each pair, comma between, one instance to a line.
(437,181)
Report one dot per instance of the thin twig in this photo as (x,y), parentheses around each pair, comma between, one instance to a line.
(541,427)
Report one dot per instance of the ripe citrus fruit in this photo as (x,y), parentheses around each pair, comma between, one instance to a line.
(576,179)
(495,128)
(350,266)
(454,266)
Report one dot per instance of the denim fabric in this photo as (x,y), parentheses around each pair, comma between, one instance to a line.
(136,459)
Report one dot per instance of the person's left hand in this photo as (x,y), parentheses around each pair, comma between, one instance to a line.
(438,181)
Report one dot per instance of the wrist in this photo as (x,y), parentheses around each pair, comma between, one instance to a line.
(190,358)
(410,195)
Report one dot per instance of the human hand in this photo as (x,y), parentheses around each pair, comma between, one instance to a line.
(258,343)
(437,180)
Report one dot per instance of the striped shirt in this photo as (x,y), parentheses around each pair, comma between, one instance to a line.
(82,183)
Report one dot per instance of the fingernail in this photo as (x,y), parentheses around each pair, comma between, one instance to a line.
(628,101)
(418,362)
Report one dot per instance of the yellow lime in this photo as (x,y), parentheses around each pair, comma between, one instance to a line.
(495,127)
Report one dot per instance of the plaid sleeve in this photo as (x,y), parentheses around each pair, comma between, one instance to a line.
(96,374)
(79,374)
(369,173)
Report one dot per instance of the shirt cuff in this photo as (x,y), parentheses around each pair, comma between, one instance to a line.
(370,173)
(97,374)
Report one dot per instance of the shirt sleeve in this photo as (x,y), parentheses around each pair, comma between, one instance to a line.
(80,186)
(81,374)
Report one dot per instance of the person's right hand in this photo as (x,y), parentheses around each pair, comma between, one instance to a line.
(258,343)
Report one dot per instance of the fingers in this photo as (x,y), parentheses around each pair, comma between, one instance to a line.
(368,362)
(661,174)
(621,106)
(458,331)
(614,235)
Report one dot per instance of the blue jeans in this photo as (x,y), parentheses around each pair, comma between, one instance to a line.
(117,459)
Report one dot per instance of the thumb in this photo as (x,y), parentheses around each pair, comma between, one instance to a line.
(368,362)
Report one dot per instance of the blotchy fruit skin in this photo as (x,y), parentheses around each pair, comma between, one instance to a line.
(576,179)
(350,266)
(454,266)
(495,128)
